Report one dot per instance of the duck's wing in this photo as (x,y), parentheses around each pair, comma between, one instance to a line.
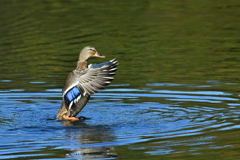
(88,81)
(114,61)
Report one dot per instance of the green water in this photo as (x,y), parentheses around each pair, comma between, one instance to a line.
(184,47)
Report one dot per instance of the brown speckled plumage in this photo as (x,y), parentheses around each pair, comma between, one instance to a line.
(88,79)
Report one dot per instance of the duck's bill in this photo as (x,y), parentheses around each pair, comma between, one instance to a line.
(98,55)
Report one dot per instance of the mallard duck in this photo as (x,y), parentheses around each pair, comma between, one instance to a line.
(84,81)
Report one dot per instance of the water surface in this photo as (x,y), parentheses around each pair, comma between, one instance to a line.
(175,95)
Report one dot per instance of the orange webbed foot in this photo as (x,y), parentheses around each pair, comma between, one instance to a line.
(72,118)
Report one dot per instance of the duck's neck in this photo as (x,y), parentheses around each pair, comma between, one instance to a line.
(82,65)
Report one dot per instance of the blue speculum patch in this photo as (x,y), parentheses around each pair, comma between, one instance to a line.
(71,95)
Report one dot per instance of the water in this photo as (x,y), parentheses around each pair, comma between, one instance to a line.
(175,95)
(123,123)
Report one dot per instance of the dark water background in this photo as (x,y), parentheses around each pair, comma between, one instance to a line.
(176,94)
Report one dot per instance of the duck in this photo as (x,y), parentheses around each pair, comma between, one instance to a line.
(84,81)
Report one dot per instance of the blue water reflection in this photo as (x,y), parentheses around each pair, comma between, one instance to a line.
(28,124)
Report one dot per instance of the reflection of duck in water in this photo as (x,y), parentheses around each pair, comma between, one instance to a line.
(84,81)
(85,141)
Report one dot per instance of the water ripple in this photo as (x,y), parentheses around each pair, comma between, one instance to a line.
(28,125)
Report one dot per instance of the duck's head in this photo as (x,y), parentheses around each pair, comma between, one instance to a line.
(88,52)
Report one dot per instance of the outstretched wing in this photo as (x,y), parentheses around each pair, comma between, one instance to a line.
(90,80)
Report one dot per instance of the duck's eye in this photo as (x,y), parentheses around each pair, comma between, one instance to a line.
(92,50)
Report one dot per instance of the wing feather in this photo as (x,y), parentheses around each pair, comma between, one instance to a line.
(90,80)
